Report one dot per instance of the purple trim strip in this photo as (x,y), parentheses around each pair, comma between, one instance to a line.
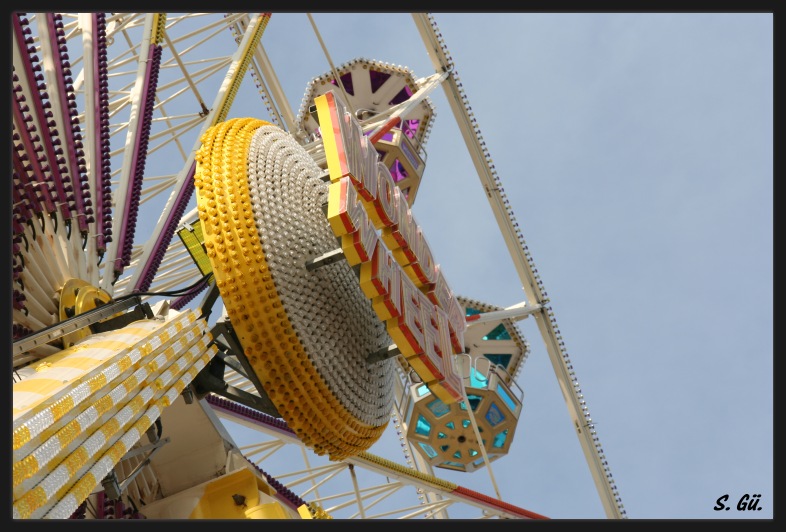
(21,208)
(182,301)
(138,161)
(72,132)
(102,185)
(150,268)
(40,103)
(21,171)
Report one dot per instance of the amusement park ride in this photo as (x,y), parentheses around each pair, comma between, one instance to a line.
(189,264)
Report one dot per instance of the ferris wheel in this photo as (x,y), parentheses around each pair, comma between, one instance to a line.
(221,302)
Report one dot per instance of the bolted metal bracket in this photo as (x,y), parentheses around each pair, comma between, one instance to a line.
(383,354)
(323,260)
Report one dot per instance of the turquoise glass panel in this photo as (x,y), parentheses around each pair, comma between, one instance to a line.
(499,359)
(498,333)
(505,396)
(477,379)
(494,415)
(428,449)
(500,439)
(422,427)
(438,408)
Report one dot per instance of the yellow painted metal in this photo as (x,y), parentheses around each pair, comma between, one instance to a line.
(194,241)
(270,344)
(304,512)
(269,510)
(221,498)
(79,296)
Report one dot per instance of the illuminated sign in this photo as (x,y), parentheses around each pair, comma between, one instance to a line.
(397,270)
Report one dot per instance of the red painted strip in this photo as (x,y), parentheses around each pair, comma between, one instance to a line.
(387,127)
(470,494)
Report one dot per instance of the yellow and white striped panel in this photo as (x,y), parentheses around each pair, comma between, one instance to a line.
(49,398)
(107,396)
(28,467)
(60,372)
(109,441)
(69,501)
(111,450)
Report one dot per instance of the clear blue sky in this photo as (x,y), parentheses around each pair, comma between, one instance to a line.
(637,153)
